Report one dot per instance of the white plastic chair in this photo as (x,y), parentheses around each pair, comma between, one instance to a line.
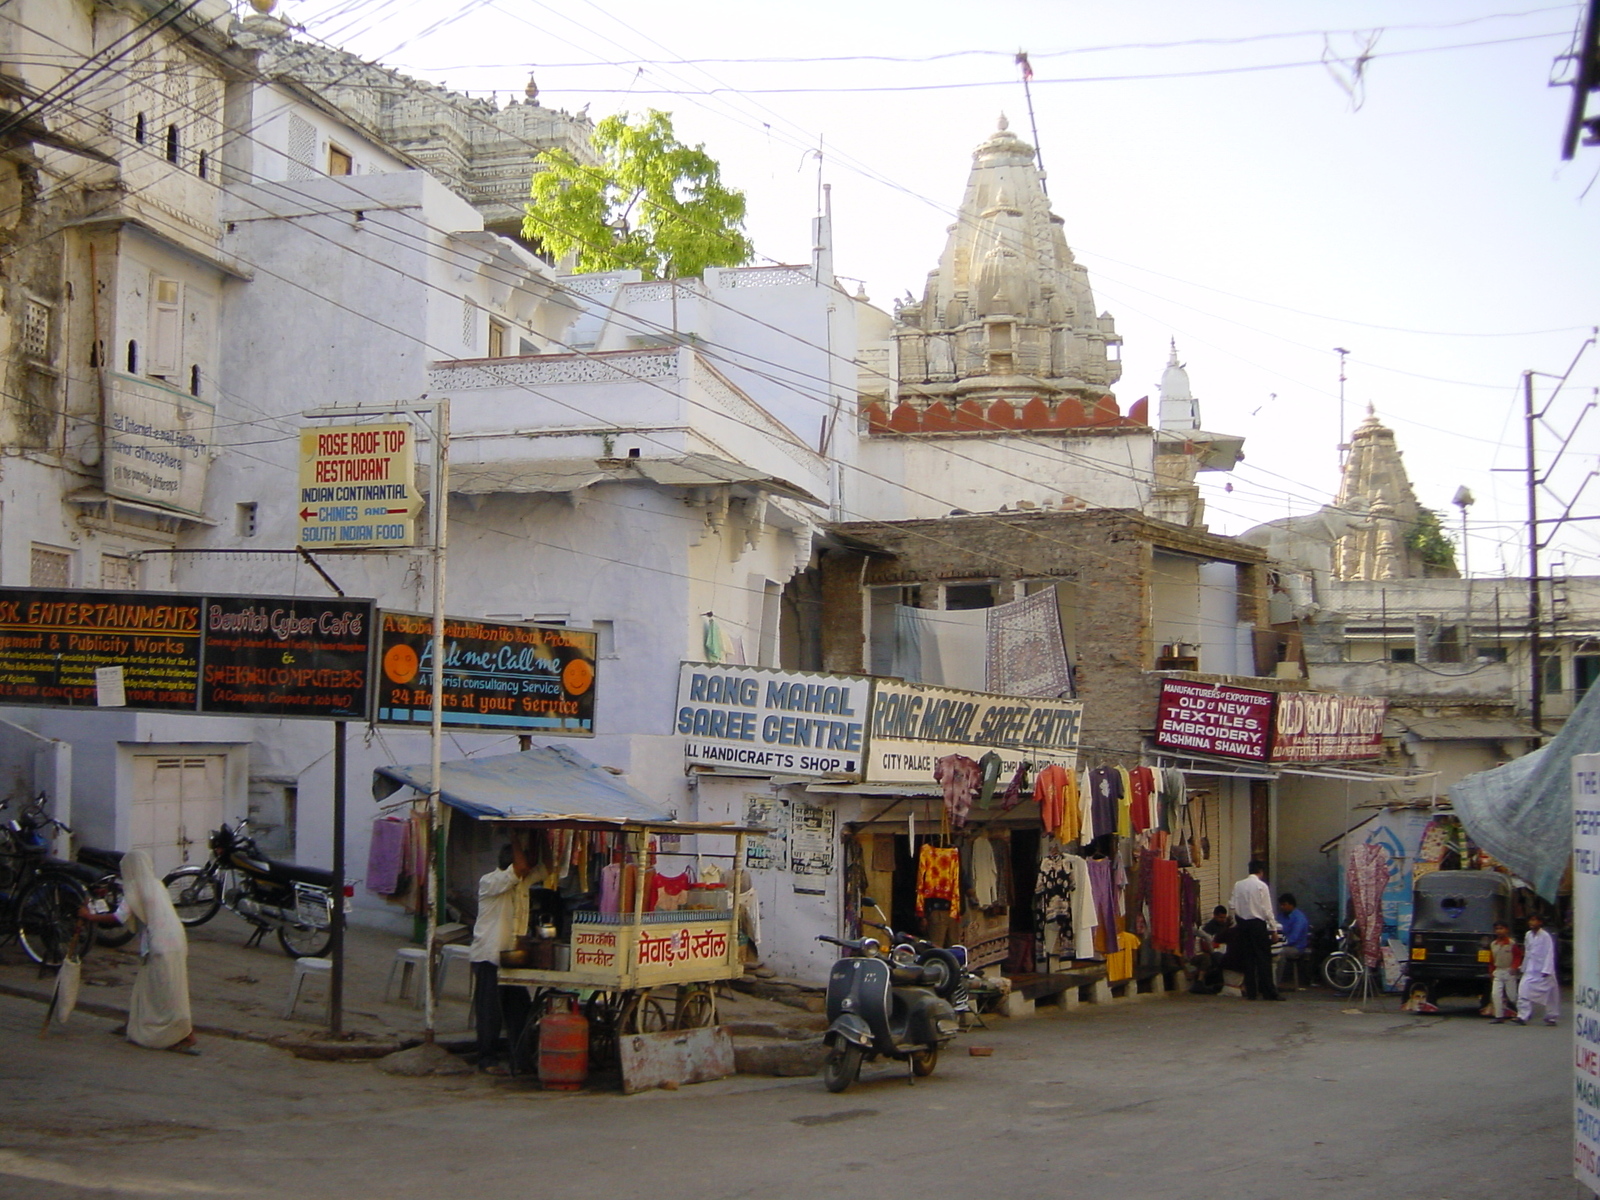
(408,960)
(308,968)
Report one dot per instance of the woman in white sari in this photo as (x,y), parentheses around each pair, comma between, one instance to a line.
(158,1014)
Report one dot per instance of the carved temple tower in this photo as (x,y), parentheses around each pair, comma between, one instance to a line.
(1006,336)
(1394,544)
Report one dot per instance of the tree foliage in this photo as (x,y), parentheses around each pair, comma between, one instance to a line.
(653,204)
(1428,538)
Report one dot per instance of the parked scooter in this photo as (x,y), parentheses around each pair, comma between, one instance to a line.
(948,964)
(295,901)
(877,1009)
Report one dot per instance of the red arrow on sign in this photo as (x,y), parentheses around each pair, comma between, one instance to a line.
(307,513)
(401,511)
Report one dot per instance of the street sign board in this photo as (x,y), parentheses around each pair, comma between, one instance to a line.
(357,486)
(497,675)
(272,656)
(786,722)
(287,658)
(52,642)
(1586,969)
(912,726)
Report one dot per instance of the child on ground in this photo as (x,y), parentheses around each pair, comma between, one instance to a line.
(1505,956)
(1539,985)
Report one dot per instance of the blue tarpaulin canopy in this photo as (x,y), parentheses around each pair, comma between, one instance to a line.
(1522,812)
(546,783)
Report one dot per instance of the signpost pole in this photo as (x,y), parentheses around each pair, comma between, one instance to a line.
(441,526)
(336,977)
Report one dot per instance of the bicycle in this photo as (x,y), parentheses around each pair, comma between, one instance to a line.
(39,898)
(1345,970)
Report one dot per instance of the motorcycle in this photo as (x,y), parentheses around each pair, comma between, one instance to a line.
(40,894)
(102,876)
(948,964)
(295,901)
(877,1009)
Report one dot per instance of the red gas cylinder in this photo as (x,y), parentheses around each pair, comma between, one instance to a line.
(563,1050)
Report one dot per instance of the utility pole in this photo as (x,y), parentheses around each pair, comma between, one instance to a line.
(1536,665)
(1344,446)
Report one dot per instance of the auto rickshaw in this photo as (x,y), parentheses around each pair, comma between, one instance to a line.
(1452,923)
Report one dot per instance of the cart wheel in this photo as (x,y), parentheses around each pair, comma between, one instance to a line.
(641,1013)
(697,1007)
(602,1011)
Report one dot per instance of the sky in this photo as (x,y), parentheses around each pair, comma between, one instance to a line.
(1236,176)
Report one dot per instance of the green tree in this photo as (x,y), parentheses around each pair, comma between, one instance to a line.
(1428,538)
(653,204)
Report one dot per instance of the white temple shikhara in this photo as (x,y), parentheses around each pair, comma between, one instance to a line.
(1006,335)
(1375,482)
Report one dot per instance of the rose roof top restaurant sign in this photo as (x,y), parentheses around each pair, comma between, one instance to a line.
(263,655)
(1259,726)
(788,722)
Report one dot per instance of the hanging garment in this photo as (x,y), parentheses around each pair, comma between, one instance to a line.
(611,888)
(985,877)
(1085,807)
(1119,962)
(1106,783)
(1141,784)
(1172,792)
(939,877)
(1164,906)
(1103,889)
(386,855)
(1014,789)
(1083,913)
(749,907)
(989,765)
(959,776)
(1188,912)
(1050,790)
(1124,799)
(1366,877)
(1052,890)
(668,893)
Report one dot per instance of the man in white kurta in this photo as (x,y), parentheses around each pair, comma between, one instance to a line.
(1539,984)
(502,918)
(1256,921)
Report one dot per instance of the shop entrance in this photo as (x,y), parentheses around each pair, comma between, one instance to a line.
(178,800)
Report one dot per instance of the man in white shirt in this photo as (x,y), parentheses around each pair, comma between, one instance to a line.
(1539,984)
(1255,923)
(502,918)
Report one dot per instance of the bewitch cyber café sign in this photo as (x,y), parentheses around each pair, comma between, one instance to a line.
(1258,726)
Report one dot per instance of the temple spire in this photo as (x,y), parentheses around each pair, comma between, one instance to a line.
(1008,314)
(1375,483)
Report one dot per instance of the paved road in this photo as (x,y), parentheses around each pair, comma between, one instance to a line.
(1189,1099)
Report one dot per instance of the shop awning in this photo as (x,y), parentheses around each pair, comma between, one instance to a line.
(1467,729)
(546,783)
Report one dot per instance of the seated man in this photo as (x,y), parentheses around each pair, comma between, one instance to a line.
(1296,942)
(1207,963)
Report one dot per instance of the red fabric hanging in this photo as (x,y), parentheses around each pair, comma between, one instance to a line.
(1164,906)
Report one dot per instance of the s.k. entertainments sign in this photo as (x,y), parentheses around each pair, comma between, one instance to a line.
(914,726)
(1260,726)
(787,722)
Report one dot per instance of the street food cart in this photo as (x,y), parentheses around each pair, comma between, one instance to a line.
(630,962)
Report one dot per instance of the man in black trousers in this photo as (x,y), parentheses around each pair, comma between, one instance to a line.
(1256,922)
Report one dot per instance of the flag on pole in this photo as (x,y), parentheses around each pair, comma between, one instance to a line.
(1027,67)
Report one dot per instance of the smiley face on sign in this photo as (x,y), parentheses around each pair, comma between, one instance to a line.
(400,663)
(577,677)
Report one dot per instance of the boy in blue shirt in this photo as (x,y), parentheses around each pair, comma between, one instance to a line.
(1296,942)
